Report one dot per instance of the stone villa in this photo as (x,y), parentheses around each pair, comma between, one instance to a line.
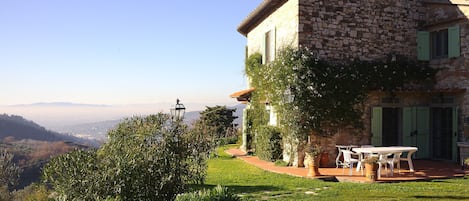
(436,31)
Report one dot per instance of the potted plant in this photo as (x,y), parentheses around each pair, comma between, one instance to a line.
(466,161)
(313,152)
(371,168)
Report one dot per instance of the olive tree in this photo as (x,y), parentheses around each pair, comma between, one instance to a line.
(146,158)
(9,171)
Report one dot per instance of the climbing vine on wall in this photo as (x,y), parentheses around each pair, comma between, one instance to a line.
(311,94)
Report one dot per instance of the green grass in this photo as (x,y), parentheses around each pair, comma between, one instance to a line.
(253,183)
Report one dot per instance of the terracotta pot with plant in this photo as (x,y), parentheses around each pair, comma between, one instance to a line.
(313,152)
(371,168)
(466,162)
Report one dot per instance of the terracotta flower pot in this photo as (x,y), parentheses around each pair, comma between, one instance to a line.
(324,162)
(371,172)
(313,166)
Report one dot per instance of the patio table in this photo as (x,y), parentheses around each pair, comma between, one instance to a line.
(381,151)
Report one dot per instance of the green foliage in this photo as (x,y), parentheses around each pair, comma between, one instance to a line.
(268,143)
(9,171)
(146,158)
(33,192)
(281,163)
(74,174)
(311,94)
(220,119)
(257,116)
(218,193)
(216,126)
(313,149)
(371,160)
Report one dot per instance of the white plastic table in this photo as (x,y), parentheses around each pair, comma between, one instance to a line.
(386,151)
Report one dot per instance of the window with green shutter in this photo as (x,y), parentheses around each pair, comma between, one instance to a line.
(423,45)
(454,42)
(444,43)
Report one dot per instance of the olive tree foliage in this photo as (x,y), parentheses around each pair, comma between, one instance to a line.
(146,158)
(9,171)
(213,128)
(218,120)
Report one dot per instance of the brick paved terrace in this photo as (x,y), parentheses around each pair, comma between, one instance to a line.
(424,170)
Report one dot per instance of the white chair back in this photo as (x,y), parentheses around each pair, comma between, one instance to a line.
(347,155)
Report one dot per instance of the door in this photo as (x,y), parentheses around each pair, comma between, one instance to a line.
(391,124)
(444,135)
(416,129)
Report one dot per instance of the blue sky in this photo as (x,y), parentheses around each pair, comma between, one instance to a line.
(121,51)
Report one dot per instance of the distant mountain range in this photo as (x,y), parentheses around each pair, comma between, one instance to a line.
(20,129)
(61,114)
(59,104)
(98,130)
(88,121)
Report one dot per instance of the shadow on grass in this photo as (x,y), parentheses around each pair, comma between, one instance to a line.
(445,197)
(238,189)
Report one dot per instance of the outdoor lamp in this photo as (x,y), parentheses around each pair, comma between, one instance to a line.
(177,111)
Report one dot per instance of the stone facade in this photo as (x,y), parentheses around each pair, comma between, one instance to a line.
(368,30)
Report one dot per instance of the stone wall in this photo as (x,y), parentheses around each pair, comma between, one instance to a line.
(454,73)
(345,30)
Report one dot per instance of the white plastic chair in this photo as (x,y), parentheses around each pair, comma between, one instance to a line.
(396,159)
(386,160)
(349,161)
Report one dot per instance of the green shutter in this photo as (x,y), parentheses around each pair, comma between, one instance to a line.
(423,132)
(377,126)
(423,45)
(455,134)
(416,129)
(263,50)
(453,42)
(407,126)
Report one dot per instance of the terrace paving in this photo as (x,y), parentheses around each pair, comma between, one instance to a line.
(424,170)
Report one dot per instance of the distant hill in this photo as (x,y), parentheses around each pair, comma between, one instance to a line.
(98,130)
(92,131)
(23,129)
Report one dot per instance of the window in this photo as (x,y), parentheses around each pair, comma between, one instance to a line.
(268,46)
(438,44)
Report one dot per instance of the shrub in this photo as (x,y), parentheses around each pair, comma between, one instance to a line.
(218,193)
(281,163)
(268,143)
(146,158)
(227,140)
(9,171)
(33,192)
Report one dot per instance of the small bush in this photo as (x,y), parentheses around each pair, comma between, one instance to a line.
(227,140)
(218,193)
(268,143)
(281,163)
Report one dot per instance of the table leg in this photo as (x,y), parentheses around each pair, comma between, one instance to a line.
(409,161)
(359,164)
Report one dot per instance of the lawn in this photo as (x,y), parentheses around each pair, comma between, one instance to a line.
(253,183)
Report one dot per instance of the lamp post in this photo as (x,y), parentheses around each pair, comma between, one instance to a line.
(177,111)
